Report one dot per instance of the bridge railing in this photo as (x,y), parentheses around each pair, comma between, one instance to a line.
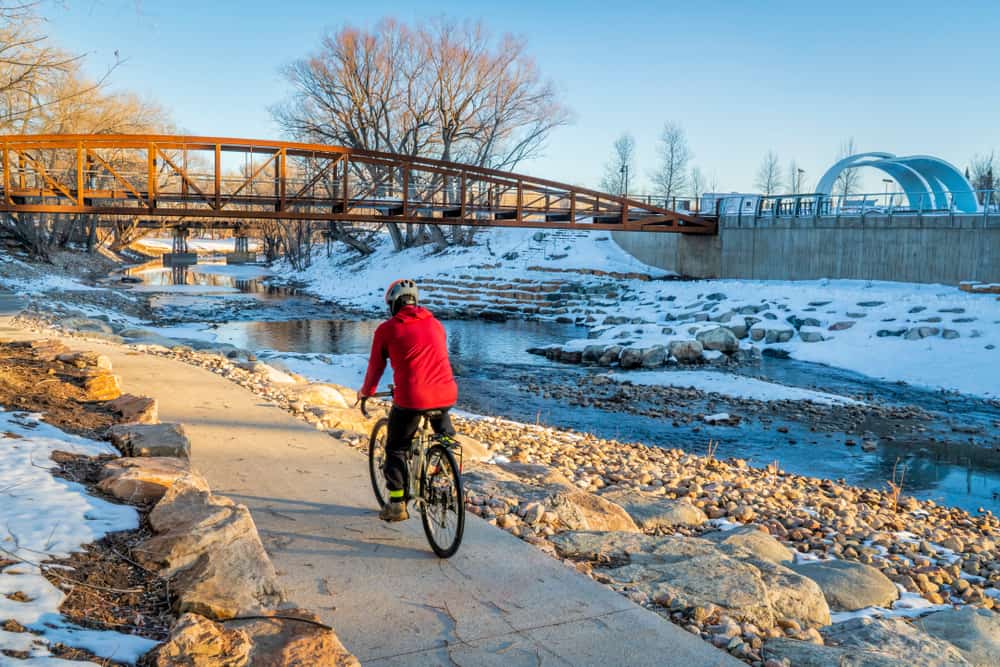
(817,205)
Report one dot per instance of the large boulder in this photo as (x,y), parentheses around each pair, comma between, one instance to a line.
(720,339)
(516,481)
(895,637)
(281,642)
(848,585)
(196,641)
(209,547)
(974,631)
(592,354)
(145,480)
(755,541)
(101,386)
(630,358)
(131,409)
(85,360)
(800,653)
(695,572)
(344,419)
(652,512)
(778,335)
(610,355)
(579,510)
(686,351)
(653,357)
(320,394)
(151,440)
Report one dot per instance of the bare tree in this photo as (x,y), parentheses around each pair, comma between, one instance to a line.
(849,180)
(697,185)
(980,173)
(769,175)
(621,164)
(439,89)
(796,177)
(671,177)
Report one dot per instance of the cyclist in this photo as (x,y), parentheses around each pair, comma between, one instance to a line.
(414,342)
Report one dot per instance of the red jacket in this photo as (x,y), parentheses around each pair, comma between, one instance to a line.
(413,341)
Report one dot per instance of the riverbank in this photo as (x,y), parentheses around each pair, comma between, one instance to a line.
(555,488)
(933,336)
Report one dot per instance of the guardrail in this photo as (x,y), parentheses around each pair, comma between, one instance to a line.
(815,205)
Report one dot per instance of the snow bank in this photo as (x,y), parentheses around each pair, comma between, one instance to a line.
(42,516)
(500,253)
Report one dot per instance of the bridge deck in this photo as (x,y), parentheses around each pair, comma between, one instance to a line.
(212,182)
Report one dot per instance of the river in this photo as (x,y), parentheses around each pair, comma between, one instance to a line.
(950,464)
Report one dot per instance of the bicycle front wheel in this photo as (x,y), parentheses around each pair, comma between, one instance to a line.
(443,509)
(376,461)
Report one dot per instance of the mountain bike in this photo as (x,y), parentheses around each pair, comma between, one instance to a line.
(433,484)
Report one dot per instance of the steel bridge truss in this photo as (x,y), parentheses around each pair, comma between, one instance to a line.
(220,182)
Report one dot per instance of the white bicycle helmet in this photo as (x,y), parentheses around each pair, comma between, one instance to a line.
(402,291)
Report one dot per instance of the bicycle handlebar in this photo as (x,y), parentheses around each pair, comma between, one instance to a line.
(379,394)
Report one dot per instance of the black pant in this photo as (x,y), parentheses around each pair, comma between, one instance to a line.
(403,424)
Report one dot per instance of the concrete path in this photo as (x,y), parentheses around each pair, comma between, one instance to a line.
(499,601)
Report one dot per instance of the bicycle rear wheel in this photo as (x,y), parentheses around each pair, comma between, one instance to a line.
(443,509)
(376,461)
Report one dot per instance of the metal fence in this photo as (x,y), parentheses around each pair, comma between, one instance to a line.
(814,205)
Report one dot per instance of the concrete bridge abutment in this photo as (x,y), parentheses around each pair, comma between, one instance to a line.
(944,249)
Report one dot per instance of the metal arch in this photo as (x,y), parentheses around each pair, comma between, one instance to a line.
(827,181)
(915,186)
(181,179)
(924,179)
(962,196)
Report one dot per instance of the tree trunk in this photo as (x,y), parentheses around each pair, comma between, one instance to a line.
(396,235)
(438,237)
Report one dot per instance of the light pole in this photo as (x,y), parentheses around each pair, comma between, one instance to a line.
(887,181)
(798,182)
(624,172)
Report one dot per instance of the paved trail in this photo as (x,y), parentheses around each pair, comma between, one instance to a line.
(499,601)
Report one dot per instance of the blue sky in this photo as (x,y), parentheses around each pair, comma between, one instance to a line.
(742,78)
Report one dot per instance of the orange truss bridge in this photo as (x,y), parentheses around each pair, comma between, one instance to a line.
(189,181)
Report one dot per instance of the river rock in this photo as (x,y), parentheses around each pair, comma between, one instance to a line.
(720,339)
(145,480)
(757,333)
(281,642)
(755,541)
(131,409)
(741,331)
(151,440)
(811,335)
(610,355)
(319,393)
(975,632)
(949,334)
(472,449)
(841,326)
(591,354)
(849,585)
(630,358)
(654,357)
(917,333)
(651,512)
(196,641)
(778,335)
(570,356)
(579,510)
(686,351)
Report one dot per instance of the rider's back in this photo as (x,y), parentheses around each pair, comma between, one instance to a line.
(414,341)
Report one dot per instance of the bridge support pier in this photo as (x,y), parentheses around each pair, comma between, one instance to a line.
(181,254)
(241,252)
